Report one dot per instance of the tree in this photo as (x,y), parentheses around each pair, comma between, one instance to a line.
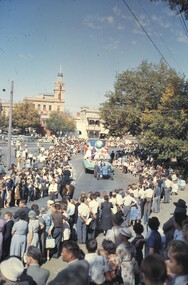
(60,122)
(3,121)
(179,6)
(151,102)
(25,116)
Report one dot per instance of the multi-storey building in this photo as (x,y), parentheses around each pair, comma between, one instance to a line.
(89,123)
(46,103)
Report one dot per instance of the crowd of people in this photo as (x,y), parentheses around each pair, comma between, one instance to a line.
(63,227)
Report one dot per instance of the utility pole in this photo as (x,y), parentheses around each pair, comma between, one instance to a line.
(10,126)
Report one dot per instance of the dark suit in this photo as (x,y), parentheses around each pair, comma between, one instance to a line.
(40,275)
(24,209)
(7,238)
(76,273)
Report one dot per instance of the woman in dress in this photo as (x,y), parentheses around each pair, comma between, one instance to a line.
(106,214)
(33,229)
(17,195)
(2,223)
(19,236)
(126,252)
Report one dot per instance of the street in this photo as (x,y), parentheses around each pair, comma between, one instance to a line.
(87,182)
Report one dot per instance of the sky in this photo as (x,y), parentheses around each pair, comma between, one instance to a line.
(92,41)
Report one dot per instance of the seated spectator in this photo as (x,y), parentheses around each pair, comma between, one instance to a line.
(153,270)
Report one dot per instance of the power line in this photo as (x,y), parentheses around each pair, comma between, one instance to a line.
(183,23)
(155,46)
(161,38)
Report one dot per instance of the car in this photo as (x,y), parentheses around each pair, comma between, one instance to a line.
(100,153)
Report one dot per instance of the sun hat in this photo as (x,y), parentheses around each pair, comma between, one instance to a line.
(126,232)
(11,268)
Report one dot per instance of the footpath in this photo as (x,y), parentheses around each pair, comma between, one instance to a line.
(166,210)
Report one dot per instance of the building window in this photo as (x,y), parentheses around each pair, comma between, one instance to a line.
(58,108)
(44,107)
(50,107)
(38,106)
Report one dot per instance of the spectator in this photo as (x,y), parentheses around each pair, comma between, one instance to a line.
(77,271)
(11,270)
(126,252)
(154,241)
(106,215)
(177,262)
(33,260)
(19,232)
(98,266)
(7,234)
(23,207)
(153,270)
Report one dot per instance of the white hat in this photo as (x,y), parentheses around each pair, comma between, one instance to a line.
(11,268)
(50,202)
(126,232)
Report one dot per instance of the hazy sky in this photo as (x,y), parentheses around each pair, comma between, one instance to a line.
(93,40)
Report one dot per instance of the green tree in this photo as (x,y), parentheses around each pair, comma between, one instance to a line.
(150,101)
(3,121)
(25,116)
(60,122)
(178,6)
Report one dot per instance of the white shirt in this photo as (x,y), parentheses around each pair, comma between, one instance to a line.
(93,205)
(83,210)
(149,193)
(128,200)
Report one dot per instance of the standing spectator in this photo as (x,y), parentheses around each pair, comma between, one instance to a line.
(156,198)
(148,203)
(2,224)
(77,271)
(153,270)
(167,189)
(106,215)
(177,262)
(7,234)
(138,229)
(126,252)
(19,238)
(98,266)
(33,230)
(83,216)
(23,208)
(56,229)
(114,233)
(11,270)
(154,241)
(178,220)
(17,196)
(33,260)
(53,191)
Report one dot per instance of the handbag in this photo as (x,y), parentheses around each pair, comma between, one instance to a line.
(50,242)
